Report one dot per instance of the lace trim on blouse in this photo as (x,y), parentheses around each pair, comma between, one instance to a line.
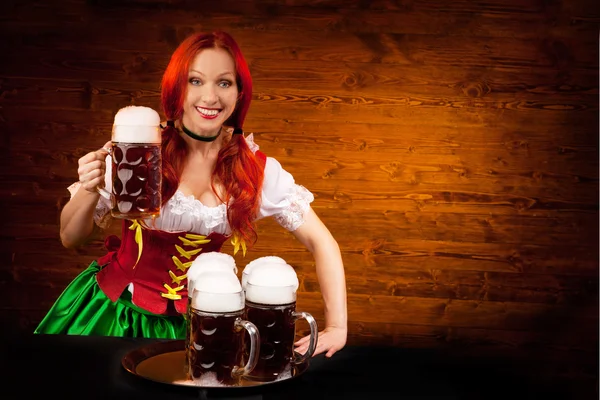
(210,217)
(292,217)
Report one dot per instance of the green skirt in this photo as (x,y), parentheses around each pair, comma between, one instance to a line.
(83,309)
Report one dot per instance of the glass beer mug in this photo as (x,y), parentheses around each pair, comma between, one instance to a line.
(136,167)
(272,309)
(215,345)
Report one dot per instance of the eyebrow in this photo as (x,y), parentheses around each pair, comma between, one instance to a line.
(219,76)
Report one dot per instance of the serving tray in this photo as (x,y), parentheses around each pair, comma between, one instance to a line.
(164,362)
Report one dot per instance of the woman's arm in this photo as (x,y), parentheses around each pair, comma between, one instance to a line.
(77,216)
(330,273)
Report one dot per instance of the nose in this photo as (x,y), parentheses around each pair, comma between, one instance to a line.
(209,94)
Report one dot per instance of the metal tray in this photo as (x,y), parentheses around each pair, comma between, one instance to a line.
(164,362)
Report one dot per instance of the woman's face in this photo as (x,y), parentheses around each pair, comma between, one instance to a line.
(212,92)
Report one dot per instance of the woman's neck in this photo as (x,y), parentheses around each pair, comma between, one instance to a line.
(200,146)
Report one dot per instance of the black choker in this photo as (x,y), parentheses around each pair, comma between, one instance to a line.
(198,137)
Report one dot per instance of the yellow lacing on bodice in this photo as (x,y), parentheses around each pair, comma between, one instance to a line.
(177,279)
(135,225)
(172,292)
(187,254)
(181,266)
(190,240)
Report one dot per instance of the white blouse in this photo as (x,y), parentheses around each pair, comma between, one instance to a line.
(281,198)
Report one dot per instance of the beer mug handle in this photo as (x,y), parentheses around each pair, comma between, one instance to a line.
(314,334)
(103,192)
(254,348)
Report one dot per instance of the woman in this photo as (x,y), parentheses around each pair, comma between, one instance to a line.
(216,184)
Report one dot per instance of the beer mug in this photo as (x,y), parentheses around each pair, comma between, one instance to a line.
(136,167)
(271,306)
(216,330)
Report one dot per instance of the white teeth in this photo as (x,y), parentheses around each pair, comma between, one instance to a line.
(208,113)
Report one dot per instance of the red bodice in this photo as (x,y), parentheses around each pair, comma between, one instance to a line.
(160,273)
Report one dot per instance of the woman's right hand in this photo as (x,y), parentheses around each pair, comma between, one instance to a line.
(92,168)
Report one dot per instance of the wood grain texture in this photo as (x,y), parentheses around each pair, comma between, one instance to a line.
(452,148)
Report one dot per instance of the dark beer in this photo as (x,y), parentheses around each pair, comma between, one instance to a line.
(136,175)
(271,306)
(137,178)
(216,331)
(276,325)
(215,346)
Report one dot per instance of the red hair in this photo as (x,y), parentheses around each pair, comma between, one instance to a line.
(237,168)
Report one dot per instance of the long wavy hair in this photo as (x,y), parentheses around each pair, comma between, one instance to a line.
(237,168)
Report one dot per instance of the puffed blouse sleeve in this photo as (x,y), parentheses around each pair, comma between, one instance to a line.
(102,216)
(282,198)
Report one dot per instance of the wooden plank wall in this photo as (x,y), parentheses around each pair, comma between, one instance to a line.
(452,148)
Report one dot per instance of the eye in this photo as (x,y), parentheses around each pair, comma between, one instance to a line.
(195,81)
(225,84)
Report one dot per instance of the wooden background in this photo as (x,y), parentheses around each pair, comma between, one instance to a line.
(452,147)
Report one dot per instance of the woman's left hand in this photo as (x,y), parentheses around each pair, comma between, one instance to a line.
(330,340)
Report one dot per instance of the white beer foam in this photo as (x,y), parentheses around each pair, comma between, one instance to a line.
(208,379)
(217,291)
(259,262)
(274,275)
(272,284)
(270,295)
(263,261)
(136,124)
(214,258)
(210,261)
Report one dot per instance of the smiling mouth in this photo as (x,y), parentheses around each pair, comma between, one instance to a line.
(210,113)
